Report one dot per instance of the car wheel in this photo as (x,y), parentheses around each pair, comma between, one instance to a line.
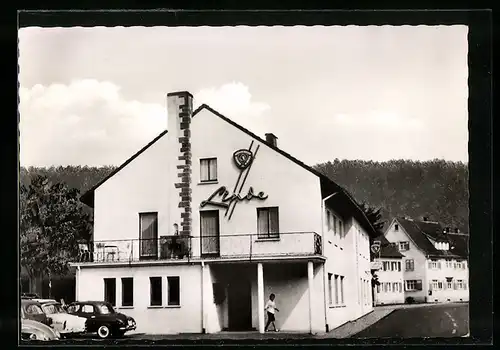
(103,332)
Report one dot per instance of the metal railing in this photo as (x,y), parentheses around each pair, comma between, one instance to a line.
(245,246)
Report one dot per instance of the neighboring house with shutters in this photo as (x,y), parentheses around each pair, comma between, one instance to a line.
(435,260)
(390,273)
(195,231)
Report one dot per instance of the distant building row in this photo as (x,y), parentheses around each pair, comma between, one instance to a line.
(421,261)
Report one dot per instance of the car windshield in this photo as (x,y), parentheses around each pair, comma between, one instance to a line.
(34,309)
(106,309)
(53,309)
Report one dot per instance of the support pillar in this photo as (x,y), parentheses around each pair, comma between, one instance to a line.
(77,284)
(260,295)
(310,279)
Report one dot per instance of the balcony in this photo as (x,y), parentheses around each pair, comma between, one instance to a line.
(179,248)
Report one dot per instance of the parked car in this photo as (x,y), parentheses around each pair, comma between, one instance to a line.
(34,330)
(32,310)
(29,296)
(63,322)
(102,318)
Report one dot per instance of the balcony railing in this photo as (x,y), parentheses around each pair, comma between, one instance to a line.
(245,246)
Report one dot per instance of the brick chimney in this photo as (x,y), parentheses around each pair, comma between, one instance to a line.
(180,110)
(457,230)
(425,218)
(272,139)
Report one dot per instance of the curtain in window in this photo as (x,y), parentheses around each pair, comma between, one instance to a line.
(273,222)
(263,223)
(213,169)
(204,170)
(209,232)
(149,234)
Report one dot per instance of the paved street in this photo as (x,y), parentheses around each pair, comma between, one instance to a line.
(440,320)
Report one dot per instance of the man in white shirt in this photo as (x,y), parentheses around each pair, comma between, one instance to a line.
(271,308)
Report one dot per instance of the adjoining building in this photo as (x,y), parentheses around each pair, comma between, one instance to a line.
(435,260)
(193,233)
(389,271)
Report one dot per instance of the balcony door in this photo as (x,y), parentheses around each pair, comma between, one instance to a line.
(209,233)
(148,240)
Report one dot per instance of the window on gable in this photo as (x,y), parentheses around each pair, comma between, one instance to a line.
(396,227)
(404,246)
(268,222)
(208,169)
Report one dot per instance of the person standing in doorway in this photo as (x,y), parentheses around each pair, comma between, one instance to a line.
(271,309)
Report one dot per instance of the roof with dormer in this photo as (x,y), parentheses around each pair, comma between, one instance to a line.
(423,233)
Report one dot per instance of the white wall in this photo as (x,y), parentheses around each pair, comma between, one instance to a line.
(155,320)
(290,187)
(390,276)
(448,294)
(348,256)
(413,253)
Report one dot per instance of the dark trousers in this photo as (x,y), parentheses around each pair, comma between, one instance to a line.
(270,319)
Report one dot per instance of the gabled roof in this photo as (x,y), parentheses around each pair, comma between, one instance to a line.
(421,233)
(88,197)
(388,249)
(344,203)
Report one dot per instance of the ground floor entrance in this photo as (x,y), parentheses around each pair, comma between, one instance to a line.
(239,305)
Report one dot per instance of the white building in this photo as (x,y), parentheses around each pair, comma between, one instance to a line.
(435,262)
(390,289)
(193,233)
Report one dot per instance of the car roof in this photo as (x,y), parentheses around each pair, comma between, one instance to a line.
(46,301)
(29,301)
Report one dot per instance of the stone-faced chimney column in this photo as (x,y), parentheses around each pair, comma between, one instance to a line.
(180,110)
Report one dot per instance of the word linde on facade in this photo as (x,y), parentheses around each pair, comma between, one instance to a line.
(227,200)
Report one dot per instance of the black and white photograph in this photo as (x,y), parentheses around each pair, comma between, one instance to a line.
(243,182)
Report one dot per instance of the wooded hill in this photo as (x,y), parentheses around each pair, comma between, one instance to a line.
(437,189)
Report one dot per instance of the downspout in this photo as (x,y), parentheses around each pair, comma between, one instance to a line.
(203,321)
(323,201)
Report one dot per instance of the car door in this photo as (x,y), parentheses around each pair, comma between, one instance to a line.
(89,312)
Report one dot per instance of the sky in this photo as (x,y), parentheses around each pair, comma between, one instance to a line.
(95,96)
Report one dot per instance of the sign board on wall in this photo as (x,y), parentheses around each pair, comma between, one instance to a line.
(376,265)
(243,159)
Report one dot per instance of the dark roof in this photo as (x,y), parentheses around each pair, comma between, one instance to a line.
(459,244)
(388,249)
(344,203)
(88,197)
(421,233)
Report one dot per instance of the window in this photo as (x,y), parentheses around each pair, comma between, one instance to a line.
(336,284)
(208,169)
(127,291)
(148,226)
(389,289)
(395,287)
(385,265)
(174,291)
(409,265)
(342,290)
(399,265)
(378,288)
(330,292)
(434,285)
(449,264)
(396,227)
(34,309)
(400,287)
(461,284)
(88,309)
(155,291)
(394,266)
(403,246)
(209,232)
(449,285)
(110,290)
(434,264)
(413,285)
(268,222)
